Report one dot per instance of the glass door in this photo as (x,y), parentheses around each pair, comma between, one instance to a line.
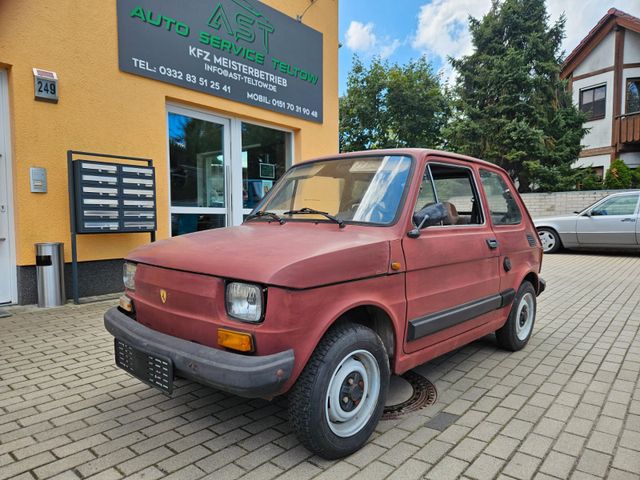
(199,166)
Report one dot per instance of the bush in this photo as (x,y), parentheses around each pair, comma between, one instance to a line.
(589,180)
(635,177)
(619,176)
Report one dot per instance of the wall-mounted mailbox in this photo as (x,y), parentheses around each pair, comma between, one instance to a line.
(114,198)
(38,179)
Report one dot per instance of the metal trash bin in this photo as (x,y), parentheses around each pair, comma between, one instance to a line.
(50,274)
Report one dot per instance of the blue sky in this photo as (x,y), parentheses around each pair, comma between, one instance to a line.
(399,30)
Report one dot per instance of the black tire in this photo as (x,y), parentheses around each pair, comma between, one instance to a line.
(309,409)
(513,335)
(554,244)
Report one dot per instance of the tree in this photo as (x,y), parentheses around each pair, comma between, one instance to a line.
(389,106)
(510,106)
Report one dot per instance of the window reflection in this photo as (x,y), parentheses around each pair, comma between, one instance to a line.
(264,160)
(182,223)
(196,162)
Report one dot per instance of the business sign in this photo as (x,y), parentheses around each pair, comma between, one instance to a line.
(241,50)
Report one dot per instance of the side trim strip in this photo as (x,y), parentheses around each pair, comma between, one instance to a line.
(429,324)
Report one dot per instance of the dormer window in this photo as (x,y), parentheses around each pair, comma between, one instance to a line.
(633,96)
(593,102)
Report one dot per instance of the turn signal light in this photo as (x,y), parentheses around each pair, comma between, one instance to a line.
(242,342)
(126,304)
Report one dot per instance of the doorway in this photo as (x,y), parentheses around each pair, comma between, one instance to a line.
(7,264)
(220,168)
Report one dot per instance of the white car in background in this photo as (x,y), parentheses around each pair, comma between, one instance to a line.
(611,223)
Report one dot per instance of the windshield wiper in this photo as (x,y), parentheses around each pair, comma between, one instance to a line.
(311,211)
(261,213)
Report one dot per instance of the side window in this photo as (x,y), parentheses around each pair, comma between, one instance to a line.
(503,207)
(454,187)
(625,205)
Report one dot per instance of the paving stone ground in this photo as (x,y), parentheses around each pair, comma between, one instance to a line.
(567,406)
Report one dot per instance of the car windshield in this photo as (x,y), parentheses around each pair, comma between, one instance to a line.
(360,189)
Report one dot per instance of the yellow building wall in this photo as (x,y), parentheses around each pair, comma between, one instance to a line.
(102,109)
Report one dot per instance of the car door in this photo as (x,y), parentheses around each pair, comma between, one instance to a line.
(452,278)
(611,222)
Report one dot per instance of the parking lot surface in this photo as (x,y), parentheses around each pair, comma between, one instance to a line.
(567,406)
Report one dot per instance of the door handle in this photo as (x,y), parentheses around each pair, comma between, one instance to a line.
(492,243)
(628,220)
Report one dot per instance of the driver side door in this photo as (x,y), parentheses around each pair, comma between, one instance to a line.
(453,276)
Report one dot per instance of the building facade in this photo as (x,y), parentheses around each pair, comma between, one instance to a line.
(221,95)
(604,75)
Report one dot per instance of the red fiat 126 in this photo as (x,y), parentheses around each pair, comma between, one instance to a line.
(353,267)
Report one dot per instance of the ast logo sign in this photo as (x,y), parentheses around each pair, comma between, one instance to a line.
(242,50)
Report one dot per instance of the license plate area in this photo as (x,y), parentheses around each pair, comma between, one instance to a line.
(154,370)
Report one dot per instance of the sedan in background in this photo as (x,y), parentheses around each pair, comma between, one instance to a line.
(611,223)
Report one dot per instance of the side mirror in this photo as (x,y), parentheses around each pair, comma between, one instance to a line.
(427,217)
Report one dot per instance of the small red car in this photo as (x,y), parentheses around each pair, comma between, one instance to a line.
(352,268)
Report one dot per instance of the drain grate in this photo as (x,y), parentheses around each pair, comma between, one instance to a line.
(424,394)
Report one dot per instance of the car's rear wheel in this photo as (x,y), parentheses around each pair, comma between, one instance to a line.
(338,399)
(550,240)
(516,332)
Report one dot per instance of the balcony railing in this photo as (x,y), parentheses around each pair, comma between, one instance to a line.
(628,128)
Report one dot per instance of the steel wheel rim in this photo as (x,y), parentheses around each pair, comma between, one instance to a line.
(346,419)
(547,239)
(524,316)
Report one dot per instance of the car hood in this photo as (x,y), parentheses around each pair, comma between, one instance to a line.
(293,255)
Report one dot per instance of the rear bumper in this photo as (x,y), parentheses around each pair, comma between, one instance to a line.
(247,376)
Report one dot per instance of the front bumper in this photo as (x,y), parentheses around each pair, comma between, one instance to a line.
(246,376)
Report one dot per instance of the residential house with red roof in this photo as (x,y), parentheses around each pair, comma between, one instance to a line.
(604,76)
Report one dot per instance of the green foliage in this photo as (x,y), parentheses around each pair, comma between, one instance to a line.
(388,106)
(619,176)
(589,180)
(510,106)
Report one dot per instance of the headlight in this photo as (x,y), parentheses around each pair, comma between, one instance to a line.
(129,275)
(244,301)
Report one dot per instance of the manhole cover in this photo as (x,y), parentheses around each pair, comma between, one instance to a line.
(423,394)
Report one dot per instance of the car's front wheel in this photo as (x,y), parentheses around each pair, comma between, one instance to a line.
(549,239)
(338,399)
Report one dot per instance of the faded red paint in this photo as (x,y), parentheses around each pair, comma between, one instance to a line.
(315,273)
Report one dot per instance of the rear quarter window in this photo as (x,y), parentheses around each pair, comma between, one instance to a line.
(503,208)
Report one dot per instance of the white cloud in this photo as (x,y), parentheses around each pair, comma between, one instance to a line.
(389,48)
(360,38)
(442,25)
(582,16)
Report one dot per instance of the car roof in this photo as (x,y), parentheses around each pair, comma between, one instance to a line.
(415,152)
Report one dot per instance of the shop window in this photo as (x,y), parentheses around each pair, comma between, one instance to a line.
(593,102)
(196,162)
(264,161)
(633,96)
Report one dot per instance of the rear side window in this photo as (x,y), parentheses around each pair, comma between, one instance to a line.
(503,207)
